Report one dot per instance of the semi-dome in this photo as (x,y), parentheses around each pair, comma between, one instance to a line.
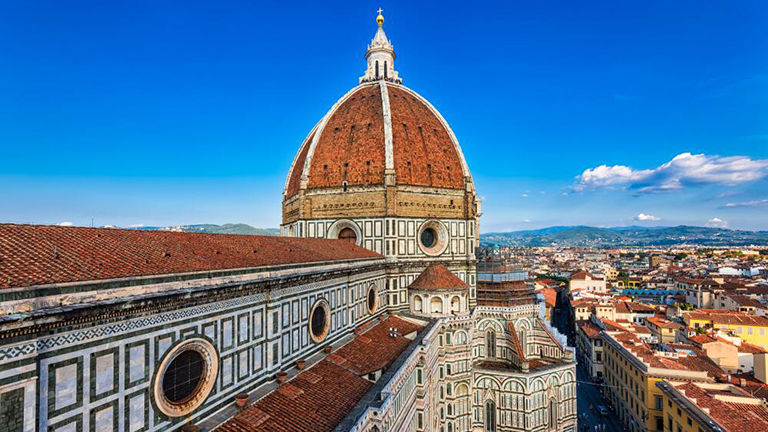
(376,129)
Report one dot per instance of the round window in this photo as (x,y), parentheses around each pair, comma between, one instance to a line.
(428,237)
(433,237)
(185,377)
(319,320)
(371,299)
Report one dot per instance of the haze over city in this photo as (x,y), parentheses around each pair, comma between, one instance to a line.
(191,112)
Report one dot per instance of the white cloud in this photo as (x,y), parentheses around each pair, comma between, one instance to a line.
(683,170)
(66,223)
(753,203)
(527,220)
(524,195)
(716,222)
(646,217)
(136,226)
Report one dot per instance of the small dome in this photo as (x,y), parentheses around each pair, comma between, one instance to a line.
(378,128)
(437,278)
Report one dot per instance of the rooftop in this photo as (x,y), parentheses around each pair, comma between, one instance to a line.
(724,316)
(437,277)
(42,254)
(731,407)
(319,398)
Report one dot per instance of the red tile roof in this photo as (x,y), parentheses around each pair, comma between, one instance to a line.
(319,398)
(351,145)
(437,277)
(728,317)
(581,275)
(42,254)
(589,328)
(684,357)
(375,349)
(423,150)
(294,177)
(731,407)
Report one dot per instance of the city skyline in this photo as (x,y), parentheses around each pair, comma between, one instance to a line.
(192,113)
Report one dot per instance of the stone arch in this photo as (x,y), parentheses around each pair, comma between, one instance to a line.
(462,389)
(418,304)
(456,304)
(513,384)
(342,226)
(483,325)
(460,337)
(436,304)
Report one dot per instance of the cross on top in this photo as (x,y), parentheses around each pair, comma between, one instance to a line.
(380,11)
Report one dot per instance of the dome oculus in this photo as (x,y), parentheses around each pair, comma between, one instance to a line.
(433,237)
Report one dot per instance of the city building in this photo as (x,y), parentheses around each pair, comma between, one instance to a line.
(749,328)
(582,280)
(711,407)
(632,368)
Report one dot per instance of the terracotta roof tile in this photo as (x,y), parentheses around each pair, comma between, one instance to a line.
(437,277)
(422,148)
(319,398)
(351,146)
(724,407)
(42,254)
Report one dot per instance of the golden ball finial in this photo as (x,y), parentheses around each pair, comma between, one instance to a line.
(380,17)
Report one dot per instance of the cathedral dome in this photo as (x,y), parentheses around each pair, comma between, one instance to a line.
(377,129)
(381,150)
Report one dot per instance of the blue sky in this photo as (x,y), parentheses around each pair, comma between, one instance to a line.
(165,113)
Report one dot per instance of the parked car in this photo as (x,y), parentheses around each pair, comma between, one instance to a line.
(602,410)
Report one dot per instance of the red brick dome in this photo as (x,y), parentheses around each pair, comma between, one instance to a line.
(379,128)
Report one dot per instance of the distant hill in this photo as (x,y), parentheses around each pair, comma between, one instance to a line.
(239,228)
(586,236)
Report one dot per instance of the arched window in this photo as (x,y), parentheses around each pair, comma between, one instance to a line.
(490,344)
(417,304)
(385,68)
(348,234)
(456,304)
(436,305)
(490,416)
(377,69)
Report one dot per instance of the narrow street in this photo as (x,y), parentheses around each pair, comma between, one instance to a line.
(588,392)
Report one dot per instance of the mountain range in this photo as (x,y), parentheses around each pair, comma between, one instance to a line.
(586,236)
(230,228)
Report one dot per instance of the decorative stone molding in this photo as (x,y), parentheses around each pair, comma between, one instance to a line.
(441,237)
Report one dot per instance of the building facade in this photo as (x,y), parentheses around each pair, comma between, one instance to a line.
(365,315)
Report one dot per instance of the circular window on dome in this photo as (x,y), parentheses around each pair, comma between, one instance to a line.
(348,234)
(319,320)
(185,377)
(433,237)
(371,300)
(428,237)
